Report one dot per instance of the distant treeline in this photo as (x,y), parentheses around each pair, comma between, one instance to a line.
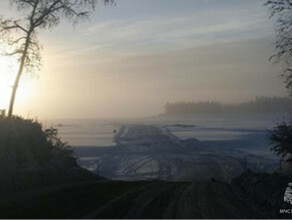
(259,105)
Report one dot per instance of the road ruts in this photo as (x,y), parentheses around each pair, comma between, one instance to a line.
(179,200)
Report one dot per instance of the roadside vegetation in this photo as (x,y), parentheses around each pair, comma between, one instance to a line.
(32,157)
(281,10)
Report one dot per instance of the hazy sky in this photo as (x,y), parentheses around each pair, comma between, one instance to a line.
(132,58)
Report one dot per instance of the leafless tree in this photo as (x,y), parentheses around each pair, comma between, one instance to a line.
(21,35)
(282,11)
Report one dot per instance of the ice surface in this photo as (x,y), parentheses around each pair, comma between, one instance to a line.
(153,152)
(176,148)
(99,132)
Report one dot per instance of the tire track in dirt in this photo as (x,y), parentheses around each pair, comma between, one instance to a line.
(182,200)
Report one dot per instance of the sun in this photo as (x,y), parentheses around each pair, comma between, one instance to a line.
(8,71)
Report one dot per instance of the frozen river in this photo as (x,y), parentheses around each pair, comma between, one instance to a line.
(152,152)
(172,148)
(247,132)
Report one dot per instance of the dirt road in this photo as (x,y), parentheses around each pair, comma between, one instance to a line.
(180,200)
(250,196)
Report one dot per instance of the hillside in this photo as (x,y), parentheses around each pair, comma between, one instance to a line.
(31,157)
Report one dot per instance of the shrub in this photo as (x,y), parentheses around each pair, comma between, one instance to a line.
(30,156)
(281,138)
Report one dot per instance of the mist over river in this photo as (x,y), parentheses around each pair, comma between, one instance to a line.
(228,129)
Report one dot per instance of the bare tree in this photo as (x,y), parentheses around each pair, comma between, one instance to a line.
(21,35)
(282,10)
(281,135)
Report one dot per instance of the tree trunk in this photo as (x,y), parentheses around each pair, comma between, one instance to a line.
(17,79)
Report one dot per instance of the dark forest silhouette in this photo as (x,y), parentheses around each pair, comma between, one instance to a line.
(259,105)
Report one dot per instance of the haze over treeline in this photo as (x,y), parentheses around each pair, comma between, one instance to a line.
(259,105)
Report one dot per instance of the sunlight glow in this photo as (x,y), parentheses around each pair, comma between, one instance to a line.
(8,70)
